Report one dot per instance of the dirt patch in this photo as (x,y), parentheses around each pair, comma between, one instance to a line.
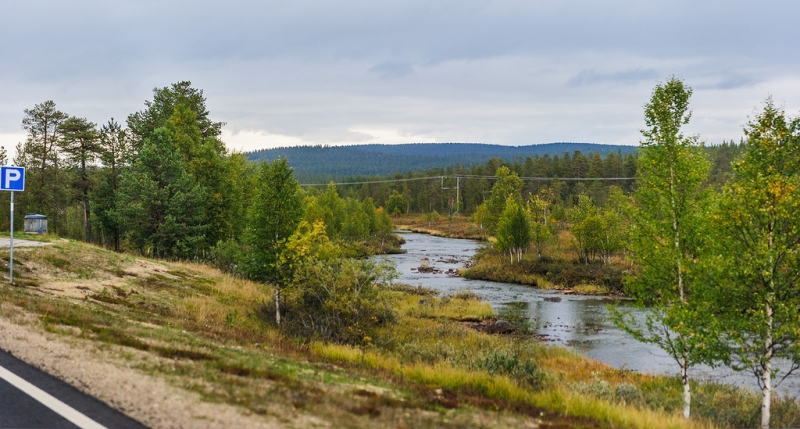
(116,382)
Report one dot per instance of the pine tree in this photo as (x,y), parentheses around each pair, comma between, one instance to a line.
(45,187)
(80,145)
(161,203)
(115,155)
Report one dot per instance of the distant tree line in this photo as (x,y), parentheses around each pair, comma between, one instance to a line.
(325,163)
(410,193)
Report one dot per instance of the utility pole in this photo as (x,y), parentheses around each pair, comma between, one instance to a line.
(457,188)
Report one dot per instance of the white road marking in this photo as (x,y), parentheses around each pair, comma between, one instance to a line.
(64,410)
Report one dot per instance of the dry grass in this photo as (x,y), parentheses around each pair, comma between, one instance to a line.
(211,333)
(453,227)
(444,308)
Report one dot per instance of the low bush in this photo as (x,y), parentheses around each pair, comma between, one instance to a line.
(546,272)
(571,274)
(343,300)
(227,256)
(524,370)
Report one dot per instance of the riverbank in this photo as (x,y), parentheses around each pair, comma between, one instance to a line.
(456,226)
(202,340)
(549,274)
(556,271)
(581,323)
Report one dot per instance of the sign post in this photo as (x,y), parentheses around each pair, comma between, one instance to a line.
(12,179)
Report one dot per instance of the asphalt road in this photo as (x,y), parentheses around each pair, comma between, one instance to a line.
(66,406)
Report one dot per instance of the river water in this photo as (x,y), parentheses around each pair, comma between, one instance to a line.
(576,321)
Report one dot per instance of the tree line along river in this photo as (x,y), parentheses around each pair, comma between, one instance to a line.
(580,322)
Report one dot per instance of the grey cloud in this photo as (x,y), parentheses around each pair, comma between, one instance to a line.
(482,70)
(732,82)
(392,69)
(627,77)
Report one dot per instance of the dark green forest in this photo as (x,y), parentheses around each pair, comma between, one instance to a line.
(461,189)
(324,163)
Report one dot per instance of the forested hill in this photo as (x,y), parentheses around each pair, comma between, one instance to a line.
(381,159)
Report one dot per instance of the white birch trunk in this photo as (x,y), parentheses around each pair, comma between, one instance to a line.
(277,306)
(687,394)
(766,377)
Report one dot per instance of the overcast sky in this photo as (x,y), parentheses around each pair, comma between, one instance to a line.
(504,72)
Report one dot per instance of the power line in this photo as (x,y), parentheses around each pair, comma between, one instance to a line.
(471,176)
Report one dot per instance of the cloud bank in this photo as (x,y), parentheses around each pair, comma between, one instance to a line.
(305,72)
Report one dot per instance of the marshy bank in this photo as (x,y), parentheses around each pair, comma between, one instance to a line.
(580,322)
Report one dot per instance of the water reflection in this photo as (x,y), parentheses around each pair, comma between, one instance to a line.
(576,321)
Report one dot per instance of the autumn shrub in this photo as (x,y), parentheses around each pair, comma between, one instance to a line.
(343,300)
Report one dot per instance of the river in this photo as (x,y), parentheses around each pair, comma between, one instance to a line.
(576,321)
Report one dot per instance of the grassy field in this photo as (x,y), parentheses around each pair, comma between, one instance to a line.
(207,332)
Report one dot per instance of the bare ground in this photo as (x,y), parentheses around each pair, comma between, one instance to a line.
(97,372)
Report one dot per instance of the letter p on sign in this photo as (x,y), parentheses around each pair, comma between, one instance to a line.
(12,178)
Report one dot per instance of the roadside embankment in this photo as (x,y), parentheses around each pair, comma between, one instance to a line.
(183,345)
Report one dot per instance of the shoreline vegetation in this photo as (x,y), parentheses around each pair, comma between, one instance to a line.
(209,333)
(561,271)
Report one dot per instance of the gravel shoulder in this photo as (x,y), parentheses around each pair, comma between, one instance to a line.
(148,399)
(6,242)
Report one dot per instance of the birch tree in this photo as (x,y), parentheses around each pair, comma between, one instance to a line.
(665,239)
(276,211)
(514,230)
(759,253)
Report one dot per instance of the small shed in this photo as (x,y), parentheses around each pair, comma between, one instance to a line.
(35,223)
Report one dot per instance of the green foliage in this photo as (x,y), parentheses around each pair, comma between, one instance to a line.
(163,106)
(160,203)
(227,256)
(275,212)
(79,144)
(600,232)
(47,183)
(329,295)
(508,185)
(181,111)
(758,298)
(351,220)
(669,226)
(432,217)
(513,365)
(587,228)
(542,226)
(514,230)
(115,152)
(396,204)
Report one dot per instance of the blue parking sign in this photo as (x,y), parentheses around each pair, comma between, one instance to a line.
(12,178)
